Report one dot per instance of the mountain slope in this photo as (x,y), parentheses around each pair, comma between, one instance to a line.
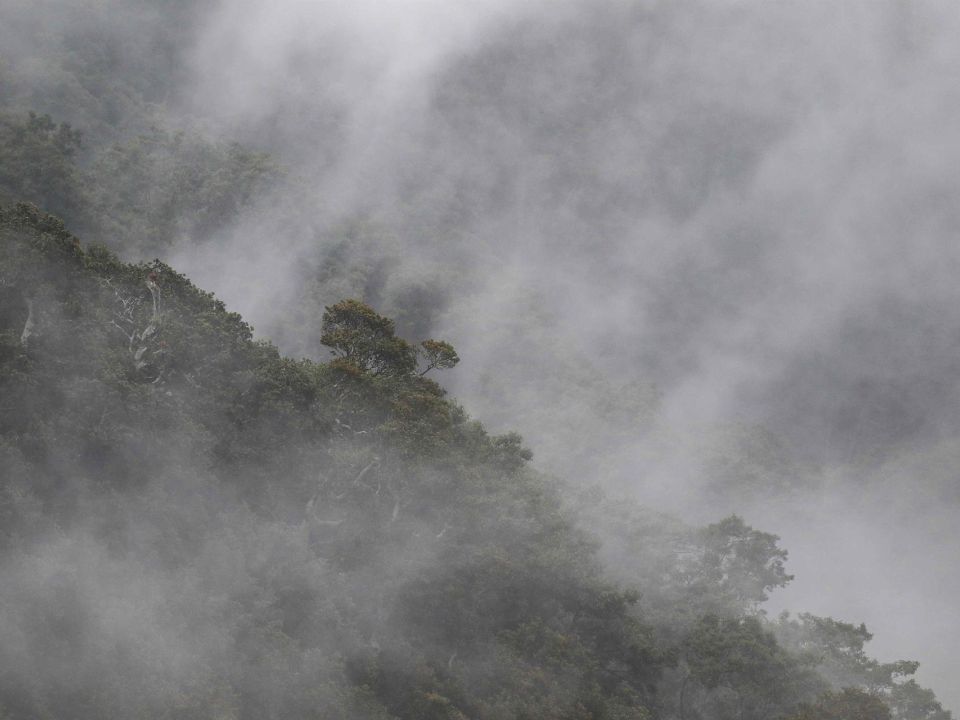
(194,525)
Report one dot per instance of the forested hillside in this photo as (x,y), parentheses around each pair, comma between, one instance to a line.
(454,224)
(195,525)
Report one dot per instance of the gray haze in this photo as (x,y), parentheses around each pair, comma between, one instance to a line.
(739,216)
(702,251)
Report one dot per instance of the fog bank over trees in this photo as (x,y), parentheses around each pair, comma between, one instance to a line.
(700,255)
(734,217)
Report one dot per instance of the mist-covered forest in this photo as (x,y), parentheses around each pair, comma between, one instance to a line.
(441,360)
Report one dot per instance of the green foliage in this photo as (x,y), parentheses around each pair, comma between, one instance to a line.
(141,195)
(366,340)
(438,354)
(161,188)
(133,375)
(724,569)
(837,650)
(741,657)
(193,525)
(339,539)
(38,165)
(744,562)
(848,704)
(373,364)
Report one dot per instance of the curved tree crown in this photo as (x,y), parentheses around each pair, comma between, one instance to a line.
(357,334)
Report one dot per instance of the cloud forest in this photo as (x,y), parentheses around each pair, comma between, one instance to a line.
(496,360)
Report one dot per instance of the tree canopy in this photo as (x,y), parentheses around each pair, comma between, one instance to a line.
(340,539)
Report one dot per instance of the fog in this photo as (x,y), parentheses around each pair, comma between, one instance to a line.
(744,206)
(700,251)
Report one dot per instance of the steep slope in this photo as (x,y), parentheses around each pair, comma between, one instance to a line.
(194,525)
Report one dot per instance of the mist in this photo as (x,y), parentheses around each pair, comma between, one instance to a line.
(700,253)
(744,206)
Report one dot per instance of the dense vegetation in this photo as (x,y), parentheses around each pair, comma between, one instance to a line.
(301,539)
(194,524)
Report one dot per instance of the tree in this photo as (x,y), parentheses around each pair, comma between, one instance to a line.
(358,335)
(438,354)
(847,704)
(837,650)
(748,674)
(38,165)
(744,563)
